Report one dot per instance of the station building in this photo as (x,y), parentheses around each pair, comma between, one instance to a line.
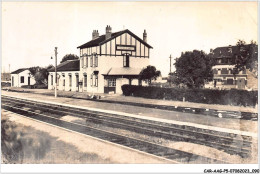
(109,61)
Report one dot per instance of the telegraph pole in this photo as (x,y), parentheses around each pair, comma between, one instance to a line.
(170,63)
(56,71)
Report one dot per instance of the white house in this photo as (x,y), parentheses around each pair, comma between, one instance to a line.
(67,76)
(111,60)
(21,77)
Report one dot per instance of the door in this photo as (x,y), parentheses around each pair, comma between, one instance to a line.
(241,84)
(13,81)
(29,81)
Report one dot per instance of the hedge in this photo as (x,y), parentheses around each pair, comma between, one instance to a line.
(209,96)
(38,86)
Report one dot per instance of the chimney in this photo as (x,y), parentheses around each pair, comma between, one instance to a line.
(95,34)
(145,36)
(108,32)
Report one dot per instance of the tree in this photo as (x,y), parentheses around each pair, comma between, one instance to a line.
(149,73)
(246,57)
(69,57)
(193,69)
(40,74)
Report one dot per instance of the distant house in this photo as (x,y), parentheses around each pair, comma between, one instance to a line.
(67,76)
(21,77)
(223,76)
(160,79)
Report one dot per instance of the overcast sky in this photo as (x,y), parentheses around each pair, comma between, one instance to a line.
(31,30)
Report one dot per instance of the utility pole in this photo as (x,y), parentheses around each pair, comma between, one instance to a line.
(170,63)
(56,71)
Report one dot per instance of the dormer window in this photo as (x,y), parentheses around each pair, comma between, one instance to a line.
(242,48)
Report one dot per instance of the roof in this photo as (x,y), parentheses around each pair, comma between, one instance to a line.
(123,71)
(19,71)
(102,39)
(226,51)
(69,65)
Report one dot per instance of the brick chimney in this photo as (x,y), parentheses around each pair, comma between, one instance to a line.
(145,36)
(95,34)
(108,32)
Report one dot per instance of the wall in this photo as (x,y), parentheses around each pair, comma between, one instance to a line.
(109,57)
(61,76)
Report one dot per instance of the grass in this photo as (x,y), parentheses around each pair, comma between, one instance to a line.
(26,145)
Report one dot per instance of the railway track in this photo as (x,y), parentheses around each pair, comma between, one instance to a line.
(224,141)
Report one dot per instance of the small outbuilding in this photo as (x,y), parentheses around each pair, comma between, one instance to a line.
(21,77)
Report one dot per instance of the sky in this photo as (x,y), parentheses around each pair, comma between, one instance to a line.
(31,30)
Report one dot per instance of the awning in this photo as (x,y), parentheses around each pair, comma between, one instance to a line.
(123,72)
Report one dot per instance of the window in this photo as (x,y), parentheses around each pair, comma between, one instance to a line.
(82,62)
(126,60)
(63,75)
(70,79)
(77,80)
(58,80)
(86,61)
(111,82)
(91,80)
(229,81)
(139,82)
(22,79)
(91,61)
(96,61)
(85,80)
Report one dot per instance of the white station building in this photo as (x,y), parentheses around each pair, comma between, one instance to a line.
(107,62)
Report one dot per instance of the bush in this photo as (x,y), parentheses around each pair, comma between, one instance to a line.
(209,96)
(5,84)
(41,86)
(27,86)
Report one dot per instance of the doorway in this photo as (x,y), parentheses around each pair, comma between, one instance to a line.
(29,81)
